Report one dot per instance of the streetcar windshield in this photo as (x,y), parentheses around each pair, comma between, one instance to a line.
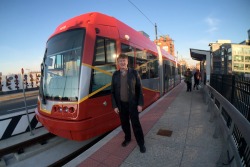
(62,64)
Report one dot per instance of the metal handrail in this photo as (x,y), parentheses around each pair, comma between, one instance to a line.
(230,122)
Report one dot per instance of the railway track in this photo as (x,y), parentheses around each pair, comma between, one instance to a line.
(45,150)
(42,149)
(19,148)
(71,156)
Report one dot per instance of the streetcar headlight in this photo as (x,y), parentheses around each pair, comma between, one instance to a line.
(65,109)
(60,109)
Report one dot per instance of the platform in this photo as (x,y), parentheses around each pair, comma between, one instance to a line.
(177,134)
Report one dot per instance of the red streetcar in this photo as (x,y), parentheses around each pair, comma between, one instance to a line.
(74,99)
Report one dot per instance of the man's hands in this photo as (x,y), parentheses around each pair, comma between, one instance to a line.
(139,108)
(116,110)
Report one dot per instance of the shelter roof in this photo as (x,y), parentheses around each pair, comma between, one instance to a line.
(199,55)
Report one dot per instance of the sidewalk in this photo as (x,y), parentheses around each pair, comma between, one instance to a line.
(191,143)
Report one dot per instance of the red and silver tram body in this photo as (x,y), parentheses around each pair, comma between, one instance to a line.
(74,98)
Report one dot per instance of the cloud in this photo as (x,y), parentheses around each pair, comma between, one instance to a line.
(212,24)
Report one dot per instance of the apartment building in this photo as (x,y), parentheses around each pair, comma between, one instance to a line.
(229,58)
(166,43)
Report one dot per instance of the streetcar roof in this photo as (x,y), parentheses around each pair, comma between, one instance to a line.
(97,18)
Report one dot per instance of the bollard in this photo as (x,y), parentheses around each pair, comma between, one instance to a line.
(227,157)
(217,121)
(209,105)
(223,157)
(203,94)
(206,96)
(211,108)
(212,112)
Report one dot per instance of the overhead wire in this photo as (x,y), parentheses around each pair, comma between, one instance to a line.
(141,12)
(144,15)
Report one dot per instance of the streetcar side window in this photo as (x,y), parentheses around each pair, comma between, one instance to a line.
(105,51)
(152,65)
(167,75)
(179,70)
(141,64)
(110,51)
(173,69)
(140,54)
(128,50)
(168,70)
(99,51)
(103,66)
(147,64)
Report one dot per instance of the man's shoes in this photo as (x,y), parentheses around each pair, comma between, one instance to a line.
(125,143)
(142,149)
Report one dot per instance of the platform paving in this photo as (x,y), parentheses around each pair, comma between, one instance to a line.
(191,143)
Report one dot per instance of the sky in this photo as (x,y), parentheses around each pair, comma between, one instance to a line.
(25,25)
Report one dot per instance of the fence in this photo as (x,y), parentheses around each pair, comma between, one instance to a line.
(236,89)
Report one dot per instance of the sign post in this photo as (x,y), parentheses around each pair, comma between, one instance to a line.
(31,133)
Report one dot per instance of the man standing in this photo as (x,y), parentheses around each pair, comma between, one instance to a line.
(197,77)
(188,79)
(127,100)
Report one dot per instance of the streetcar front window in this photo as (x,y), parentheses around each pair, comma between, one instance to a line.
(62,64)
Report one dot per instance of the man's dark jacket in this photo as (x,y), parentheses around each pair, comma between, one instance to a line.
(134,89)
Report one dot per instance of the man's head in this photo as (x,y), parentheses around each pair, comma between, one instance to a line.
(122,56)
(122,61)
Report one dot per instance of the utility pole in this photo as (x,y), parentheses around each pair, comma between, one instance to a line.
(156,31)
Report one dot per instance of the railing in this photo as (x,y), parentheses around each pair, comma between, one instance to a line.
(232,125)
(236,89)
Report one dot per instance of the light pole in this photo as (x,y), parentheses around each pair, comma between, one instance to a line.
(156,32)
(27,113)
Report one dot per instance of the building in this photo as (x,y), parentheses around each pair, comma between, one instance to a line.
(239,58)
(166,43)
(217,65)
(248,32)
(183,65)
(229,58)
